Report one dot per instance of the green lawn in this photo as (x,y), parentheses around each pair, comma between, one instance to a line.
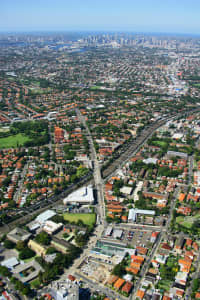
(160,143)
(35,283)
(172,261)
(187,221)
(164,285)
(13,141)
(88,219)
(96,87)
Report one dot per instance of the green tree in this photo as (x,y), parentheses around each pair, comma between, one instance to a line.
(20,245)
(43,238)
(26,253)
(9,244)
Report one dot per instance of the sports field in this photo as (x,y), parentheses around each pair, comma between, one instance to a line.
(88,219)
(13,141)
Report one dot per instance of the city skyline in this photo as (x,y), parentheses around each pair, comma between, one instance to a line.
(145,16)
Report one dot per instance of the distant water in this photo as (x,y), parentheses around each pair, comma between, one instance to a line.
(52,45)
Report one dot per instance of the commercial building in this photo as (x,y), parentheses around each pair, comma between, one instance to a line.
(176,153)
(111,249)
(108,231)
(10,263)
(40,250)
(51,227)
(83,195)
(66,290)
(133,212)
(28,271)
(18,234)
(117,233)
(42,218)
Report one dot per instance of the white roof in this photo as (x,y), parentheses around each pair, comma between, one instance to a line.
(150,160)
(33,225)
(128,277)
(177,136)
(126,190)
(134,211)
(51,226)
(117,233)
(108,230)
(10,263)
(45,216)
(181,276)
(82,195)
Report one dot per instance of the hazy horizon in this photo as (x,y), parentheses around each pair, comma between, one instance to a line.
(144,16)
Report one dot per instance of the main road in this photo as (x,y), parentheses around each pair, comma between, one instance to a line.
(97,171)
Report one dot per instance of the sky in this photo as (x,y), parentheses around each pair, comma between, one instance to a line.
(168,16)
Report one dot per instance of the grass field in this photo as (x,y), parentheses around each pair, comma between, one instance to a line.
(13,141)
(187,221)
(160,143)
(88,219)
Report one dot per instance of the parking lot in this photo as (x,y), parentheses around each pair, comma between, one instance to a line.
(133,237)
(136,238)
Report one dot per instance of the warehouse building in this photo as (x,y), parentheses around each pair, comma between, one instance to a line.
(84,195)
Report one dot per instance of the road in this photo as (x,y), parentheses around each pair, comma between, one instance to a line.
(101,288)
(190,171)
(124,156)
(162,235)
(132,148)
(27,213)
(20,184)
(97,171)
(195,275)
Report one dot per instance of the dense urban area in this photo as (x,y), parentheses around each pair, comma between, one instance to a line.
(99,166)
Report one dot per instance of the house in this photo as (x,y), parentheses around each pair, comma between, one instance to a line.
(166,298)
(154,236)
(155,195)
(184,210)
(197,295)
(185,265)
(142,250)
(181,197)
(140,293)
(59,134)
(127,287)
(119,283)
